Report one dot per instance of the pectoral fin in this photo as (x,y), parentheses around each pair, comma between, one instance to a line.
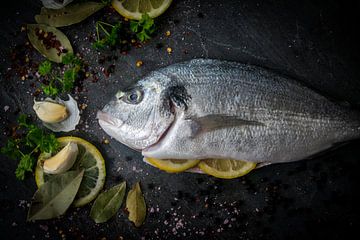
(213,122)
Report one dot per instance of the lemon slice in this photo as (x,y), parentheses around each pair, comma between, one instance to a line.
(172,165)
(226,168)
(133,9)
(88,158)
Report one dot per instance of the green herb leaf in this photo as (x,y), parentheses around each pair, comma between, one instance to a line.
(68,80)
(70,58)
(135,204)
(71,14)
(111,38)
(134,26)
(34,136)
(49,143)
(22,120)
(44,68)
(147,22)
(143,28)
(53,49)
(99,44)
(54,197)
(108,203)
(50,90)
(26,164)
(142,36)
(11,149)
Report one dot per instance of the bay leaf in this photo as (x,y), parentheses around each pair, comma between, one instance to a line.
(52,53)
(135,205)
(54,197)
(71,14)
(108,203)
(55,4)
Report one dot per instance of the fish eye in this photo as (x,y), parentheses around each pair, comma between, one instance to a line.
(133,97)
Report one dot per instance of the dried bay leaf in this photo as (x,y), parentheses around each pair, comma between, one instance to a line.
(49,41)
(135,204)
(55,4)
(54,197)
(108,203)
(71,14)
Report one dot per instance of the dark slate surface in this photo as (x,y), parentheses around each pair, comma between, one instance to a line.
(312,41)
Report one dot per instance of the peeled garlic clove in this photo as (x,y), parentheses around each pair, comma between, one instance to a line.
(50,112)
(63,160)
(69,123)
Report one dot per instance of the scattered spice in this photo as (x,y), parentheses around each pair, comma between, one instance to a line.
(83,106)
(167,33)
(139,63)
(49,40)
(169,50)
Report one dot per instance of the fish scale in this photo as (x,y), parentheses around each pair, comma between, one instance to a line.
(228,110)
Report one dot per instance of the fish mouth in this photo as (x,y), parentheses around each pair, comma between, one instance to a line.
(110,125)
(106,119)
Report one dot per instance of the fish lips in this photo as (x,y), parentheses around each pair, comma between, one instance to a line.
(110,124)
(107,120)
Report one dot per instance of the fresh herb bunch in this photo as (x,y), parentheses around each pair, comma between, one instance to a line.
(33,141)
(143,28)
(58,83)
(110,33)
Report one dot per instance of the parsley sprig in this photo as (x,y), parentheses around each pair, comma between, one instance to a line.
(106,34)
(143,28)
(25,148)
(57,83)
(111,35)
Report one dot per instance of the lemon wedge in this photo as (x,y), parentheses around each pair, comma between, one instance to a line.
(226,168)
(134,9)
(172,165)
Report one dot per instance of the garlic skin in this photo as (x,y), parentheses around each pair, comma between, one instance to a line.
(63,160)
(50,112)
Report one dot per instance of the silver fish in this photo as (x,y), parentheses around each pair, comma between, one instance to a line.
(218,109)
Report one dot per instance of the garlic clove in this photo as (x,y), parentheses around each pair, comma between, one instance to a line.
(50,112)
(69,124)
(63,160)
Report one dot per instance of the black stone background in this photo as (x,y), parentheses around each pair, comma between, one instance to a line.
(313,41)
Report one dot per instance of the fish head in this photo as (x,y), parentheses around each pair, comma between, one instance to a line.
(138,116)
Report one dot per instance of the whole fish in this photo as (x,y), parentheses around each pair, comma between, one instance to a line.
(218,109)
